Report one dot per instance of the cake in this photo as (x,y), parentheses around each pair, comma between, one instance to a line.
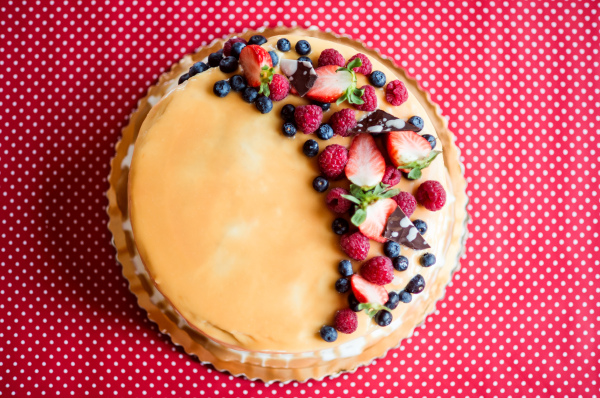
(295,221)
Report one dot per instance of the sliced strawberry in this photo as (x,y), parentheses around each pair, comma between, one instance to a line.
(366,165)
(331,84)
(377,216)
(253,60)
(410,151)
(367,292)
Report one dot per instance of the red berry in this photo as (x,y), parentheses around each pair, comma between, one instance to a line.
(396,93)
(332,160)
(391,176)
(366,67)
(231,42)
(432,195)
(346,321)
(407,203)
(370,99)
(331,57)
(378,270)
(355,245)
(342,121)
(308,118)
(279,88)
(336,203)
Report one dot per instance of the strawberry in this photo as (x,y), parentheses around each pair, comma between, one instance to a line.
(410,152)
(335,84)
(377,215)
(366,165)
(367,292)
(258,67)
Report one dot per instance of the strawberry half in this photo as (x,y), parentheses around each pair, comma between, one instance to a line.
(257,66)
(366,165)
(410,152)
(335,84)
(367,292)
(377,216)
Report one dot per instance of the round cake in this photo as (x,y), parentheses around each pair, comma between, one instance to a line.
(287,205)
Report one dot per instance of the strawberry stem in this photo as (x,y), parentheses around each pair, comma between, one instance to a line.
(416,166)
(363,197)
(352,94)
(266,77)
(371,309)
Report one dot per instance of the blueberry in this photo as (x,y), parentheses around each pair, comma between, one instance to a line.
(325,131)
(236,49)
(427,260)
(417,122)
(289,129)
(342,285)
(305,59)
(274,58)
(249,94)
(393,300)
(353,303)
(383,318)
(284,45)
(328,334)
(405,296)
(221,88)
(400,263)
(287,112)
(377,78)
(264,104)
(198,67)
(416,285)
(320,184)
(345,268)
(257,39)
(303,47)
(228,64)
(421,226)
(324,105)
(311,148)
(391,249)
(340,226)
(183,77)
(214,59)
(431,140)
(238,83)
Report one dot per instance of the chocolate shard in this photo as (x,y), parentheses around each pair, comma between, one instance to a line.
(301,74)
(400,229)
(382,122)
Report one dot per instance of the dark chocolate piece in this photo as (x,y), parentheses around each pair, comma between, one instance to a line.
(400,229)
(382,122)
(301,74)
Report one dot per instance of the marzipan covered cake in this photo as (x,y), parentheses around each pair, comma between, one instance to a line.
(287,204)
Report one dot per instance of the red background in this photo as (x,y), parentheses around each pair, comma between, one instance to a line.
(520,84)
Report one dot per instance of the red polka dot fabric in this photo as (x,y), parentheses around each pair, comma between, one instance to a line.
(519,83)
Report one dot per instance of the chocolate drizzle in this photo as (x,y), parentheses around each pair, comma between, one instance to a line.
(301,74)
(400,229)
(382,122)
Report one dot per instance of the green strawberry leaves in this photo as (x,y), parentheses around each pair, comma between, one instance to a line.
(416,166)
(266,77)
(364,197)
(352,94)
(371,309)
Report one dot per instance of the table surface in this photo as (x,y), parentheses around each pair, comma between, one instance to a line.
(519,82)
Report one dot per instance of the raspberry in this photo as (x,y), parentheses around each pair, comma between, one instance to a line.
(279,88)
(336,203)
(396,93)
(332,160)
(355,245)
(366,67)
(391,176)
(231,42)
(331,57)
(378,270)
(342,121)
(346,321)
(308,118)
(432,195)
(407,203)
(370,99)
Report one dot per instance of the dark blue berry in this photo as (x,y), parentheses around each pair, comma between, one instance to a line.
(287,112)
(236,49)
(214,59)
(405,296)
(400,263)
(377,78)
(221,88)
(325,131)
(228,64)
(340,226)
(289,129)
(345,268)
(238,83)
(320,184)
(342,285)
(198,67)
(430,139)
(263,104)
(183,77)
(324,105)
(328,334)
(427,260)
(416,285)
(353,303)
(417,122)
(284,45)
(383,318)
(421,226)
(274,58)
(310,148)
(393,300)
(250,94)
(257,39)
(305,59)
(303,47)
(391,249)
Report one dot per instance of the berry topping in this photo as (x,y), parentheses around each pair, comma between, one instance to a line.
(393,300)
(303,47)
(258,67)
(310,148)
(198,67)
(263,104)
(432,195)
(284,45)
(391,249)
(416,285)
(342,285)
(342,121)
(289,129)
(236,49)
(221,88)
(417,122)
(421,226)
(183,77)
(230,42)
(366,165)
(279,88)
(340,226)
(377,78)
(405,296)
(367,292)
(324,105)
(383,318)
(257,39)
(250,94)
(274,58)
(308,118)
(333,160)
(376,218)
(335,84)
(365,67)
(305,59)
(400,263)
(430,139)
(345,268)
(378,270)
(370,99)
(407,203)
(320,184)
(396,93)
(238,83)
(215,58)
(355,245)
(336,202)
(346,321)
(328,334)
(325,132)
(410,152)
(287,112)
(353,303)
(228,64)
(391,176)
(427,260)
(331,56)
